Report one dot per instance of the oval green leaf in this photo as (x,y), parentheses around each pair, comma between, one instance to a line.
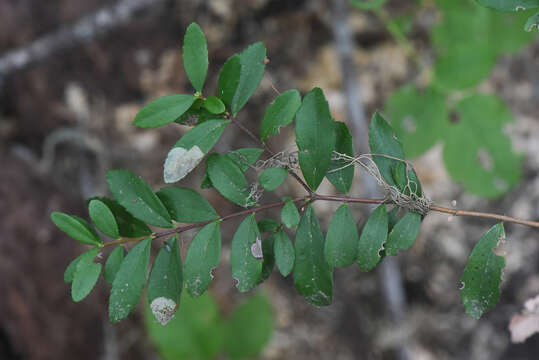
(403,234)
(228,179)
(103,218)
(214,105)
(69,272)
(186,205)
(76,228)
(195,56)
(246,269)
(166,282)
(229,78)
(128,225)
(129,281)
(163,110)
(251,72)
(341,172)
(315,137)
(290,214)
(114,261)
(342,239)
(480,282)
(280,113)
(284,253)
(272,178)
(137,197)
(372,239)
(205,135)
(85,276)
(312,275)
(202,258)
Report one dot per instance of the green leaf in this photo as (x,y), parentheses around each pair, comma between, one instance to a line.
(205,135)
(186,205)
(166,282)
(113,264)
(477,153)
(163,110)
(76,228)
(419,118)
(245,157)
(103,218)
(382,141)
(246,269)
(229,78)
(482,276)
(128,225)
(195,333)
(137,197)
(342,239)
(272,178)
(197,114)
(284,253)
(373,237)
(509,5)
(533,21)
(214,105)
(129,281)
(312,275)
(393,218)
(268,262)
(249,328)
(280,113)
(195,56)
(85,276)
(69,272)
(228,179)
(202,258)
(267,225)
(342,179)
(403,234)
(315,137)
(290,214)
(252,70)
(368,4)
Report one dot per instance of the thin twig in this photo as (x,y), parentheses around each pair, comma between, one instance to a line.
(484,215)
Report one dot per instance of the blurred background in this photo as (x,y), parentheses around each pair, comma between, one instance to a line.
(73,74)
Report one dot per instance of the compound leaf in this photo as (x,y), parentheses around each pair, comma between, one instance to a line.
(280,113)
(202,258)
(312,275)
(164,110)
(76,228)
(129,281)
(480,287)
(342,239)
(315,137)
(137,197)
(186,205)
(195,56)
(246,268)
(373,237)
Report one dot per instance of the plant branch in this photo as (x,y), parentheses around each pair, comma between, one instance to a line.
(484,215)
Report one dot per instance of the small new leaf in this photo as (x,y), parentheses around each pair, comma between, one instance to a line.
(290,214)
(246,269)
(163,110)
(85,276)
(480,282)
(195,56)
(129,281)
(202,258)
(76,228)
(214,105)
(342,239)
(284,253)
(272,178)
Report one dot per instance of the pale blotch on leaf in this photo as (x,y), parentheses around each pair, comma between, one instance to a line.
(163,309)
(256,249)
(181,162)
